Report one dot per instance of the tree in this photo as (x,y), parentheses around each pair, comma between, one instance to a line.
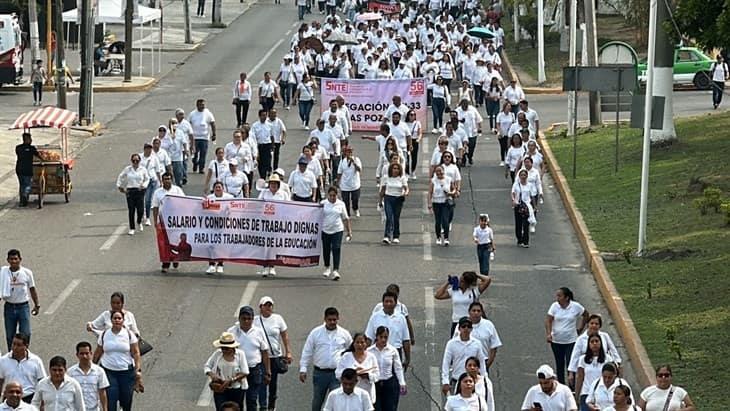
(706,22)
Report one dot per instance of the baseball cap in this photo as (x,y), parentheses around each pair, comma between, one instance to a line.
(265,299)
(246,310)
(545,371)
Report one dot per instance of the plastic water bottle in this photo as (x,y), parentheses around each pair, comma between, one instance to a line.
(491,256)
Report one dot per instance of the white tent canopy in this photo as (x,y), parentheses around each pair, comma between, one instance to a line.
(112,12)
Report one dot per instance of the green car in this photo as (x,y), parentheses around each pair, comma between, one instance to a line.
(691,66)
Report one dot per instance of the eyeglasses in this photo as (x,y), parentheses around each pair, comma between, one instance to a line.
(664,375)
(135,160)
(443,143)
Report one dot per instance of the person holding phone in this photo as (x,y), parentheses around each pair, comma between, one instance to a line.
(548,394)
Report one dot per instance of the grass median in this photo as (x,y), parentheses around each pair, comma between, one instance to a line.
(679,299)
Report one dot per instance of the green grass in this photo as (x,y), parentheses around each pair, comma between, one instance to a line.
(689,296)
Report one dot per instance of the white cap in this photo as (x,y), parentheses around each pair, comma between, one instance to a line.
(280,171)
(233,162)
(265,299)
(546,371)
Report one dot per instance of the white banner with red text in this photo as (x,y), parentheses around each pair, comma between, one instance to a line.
(369,99)
(248,231)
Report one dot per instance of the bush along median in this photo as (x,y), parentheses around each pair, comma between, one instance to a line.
(678,294)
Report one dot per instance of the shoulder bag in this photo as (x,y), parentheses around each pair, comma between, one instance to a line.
(279,362)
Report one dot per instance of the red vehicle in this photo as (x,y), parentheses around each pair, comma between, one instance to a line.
(11,50)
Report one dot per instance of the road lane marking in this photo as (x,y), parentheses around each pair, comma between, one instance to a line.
(206,396)
(63,296)
(424,145)
(429,307)
(247,296)
(113,238)
(425,202)
(427,247)
(266,57)
(435,376)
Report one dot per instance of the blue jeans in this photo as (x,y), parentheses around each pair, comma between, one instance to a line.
(121,388)
(332,244)
(393,206)
(322,382)
(441,219)
(305,107)
(17,320)
(438,105)
(267,394)
(255,382)
(38,91)
(302,10)
(178,171)
(562,353)
(151,187)
(717,88)
(201,151)
(483,251)
(387,393)
(25,183)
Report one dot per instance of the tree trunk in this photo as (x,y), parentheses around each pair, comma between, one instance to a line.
(33,29)
(663,77)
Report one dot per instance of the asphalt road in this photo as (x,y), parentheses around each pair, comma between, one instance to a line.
(79,261)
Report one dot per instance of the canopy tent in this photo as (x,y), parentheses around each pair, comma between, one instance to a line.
(45,117)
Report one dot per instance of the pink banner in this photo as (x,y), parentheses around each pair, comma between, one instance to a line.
(369,99)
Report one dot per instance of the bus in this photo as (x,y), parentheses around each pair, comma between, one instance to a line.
(11,50)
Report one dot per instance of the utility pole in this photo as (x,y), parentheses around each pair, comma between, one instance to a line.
(540,43)
(86,105)
(128,33)
(594,99)
(35,47)
(646,156)
(215,14)
(186,12)
(49,38)
(516,21)
(60,57)
(664,75)
(571,62)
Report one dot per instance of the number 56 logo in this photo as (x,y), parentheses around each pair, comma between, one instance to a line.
(270,209)
(417,88)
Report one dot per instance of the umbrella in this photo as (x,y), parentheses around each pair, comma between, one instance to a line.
(313,43)
(481,32)
(369,16)
(341,38)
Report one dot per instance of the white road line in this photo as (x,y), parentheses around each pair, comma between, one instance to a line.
(206,396)
(266,57)
(425,203)
(426,247)
(428,305)
(113,238)
(424,145)
(435,376)
(62,297)
(247,296)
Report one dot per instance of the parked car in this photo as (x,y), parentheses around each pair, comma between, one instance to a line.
(11,51)
(691,66)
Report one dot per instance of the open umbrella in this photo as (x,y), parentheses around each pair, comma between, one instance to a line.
(481,32)
(369,16)
(313,43)
(341,39)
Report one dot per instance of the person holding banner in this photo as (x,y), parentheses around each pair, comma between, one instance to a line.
(302,182)
(157,196)
(334,223)
(393,192)
(274,192)
(216,266)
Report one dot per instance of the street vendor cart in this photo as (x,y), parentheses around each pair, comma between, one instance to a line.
(52,174)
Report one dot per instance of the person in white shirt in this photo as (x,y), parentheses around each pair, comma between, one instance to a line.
(720,74)
(186,130)
(469,116)
(441,192)
(484,239)
(216,169)
(564,317)
(532,117)
(59,392)
(396,105)
(335,221)
(274,191)
(278,134)
(264,140)
(304,99)
(255,346)
(91,377)
(391,383)
(227,369)
(241,99)
(456,352)
(322,349)
(235,182)
(505,119)
(665,396)
(13,394)
(393,193)
(22,366)
(157,197)
(243,152)
(590,367)
(548,394)
(462,291)
(349,397)
(601,393)
(17,286)
(175,143)
(302,182)
(514,94)
(203,125)
(483,330)
(132,182)
(595,322)
(287,80)
(268,92)
(441,97)
(150,162)
(466,397)
(395,322)
(483,386)
(280,351)
(348,180)
(364,363)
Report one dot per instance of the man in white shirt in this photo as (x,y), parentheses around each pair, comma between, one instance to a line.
(13,395)
(456,352)
(186,129)
(514,94)
(402,134)
(348,397)
(396,324)
(278,133)
(157,196)
(22,366)
(17,286)
(470,118)
(203,124)
(175,143)
(531,115)
(720,75)
(254,345)
(396,105)
(58,392)
(548,394)
(241,99)
(402,72)
(91,377)
(262,135)
(344,113)
(322,349)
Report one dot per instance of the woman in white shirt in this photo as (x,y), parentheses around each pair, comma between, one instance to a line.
(348,180)
(268,95)
(235,182)
(441,97)
(565,319)
(365,364)
(622,400)
(117,352)
(133,181)
(446,69)
(522,207)
(227,369)
(462,291)
(104,321)
(505,119)
(590,367)
(441,193)
(492,96)
(414,125)
(277,336)
(219,193)
(535,180)
(385,159)
(287,80)
(482,384)
(466,92)
(513,156)
(334,223)
(393,193)
(383,72)
(391,382)
(241,150)
(654,397)
(484,239)
(466,399)
(216,168)
(304,98)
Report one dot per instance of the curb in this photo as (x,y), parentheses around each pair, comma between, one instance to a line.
(146,85)
(614,302)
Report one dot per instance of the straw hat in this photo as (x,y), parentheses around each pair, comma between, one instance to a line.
(227,340)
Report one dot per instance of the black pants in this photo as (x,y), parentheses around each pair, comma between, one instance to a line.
(267,103)
(264,160)
(277,148)
(37,91)
(503,146)
(135,203)
(562,353)
(242,112)
(472,147)
(442,212)
(387,393)
(331,245)
(231,394)
(478,94)
(201,7)
(522,228)
(414,157)
(295,197)
(717,89)
(353,197)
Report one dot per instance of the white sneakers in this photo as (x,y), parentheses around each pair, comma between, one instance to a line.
(219,269)
(438,240)
(501,163)
(130,232)
(446,242)
(396,241)
(327,272)
(335,275)
(147,222)
(141,227)
(532,228)
(386,240)
(265,272)
(210,270)
(435,131)
(272,271)
(357,213)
